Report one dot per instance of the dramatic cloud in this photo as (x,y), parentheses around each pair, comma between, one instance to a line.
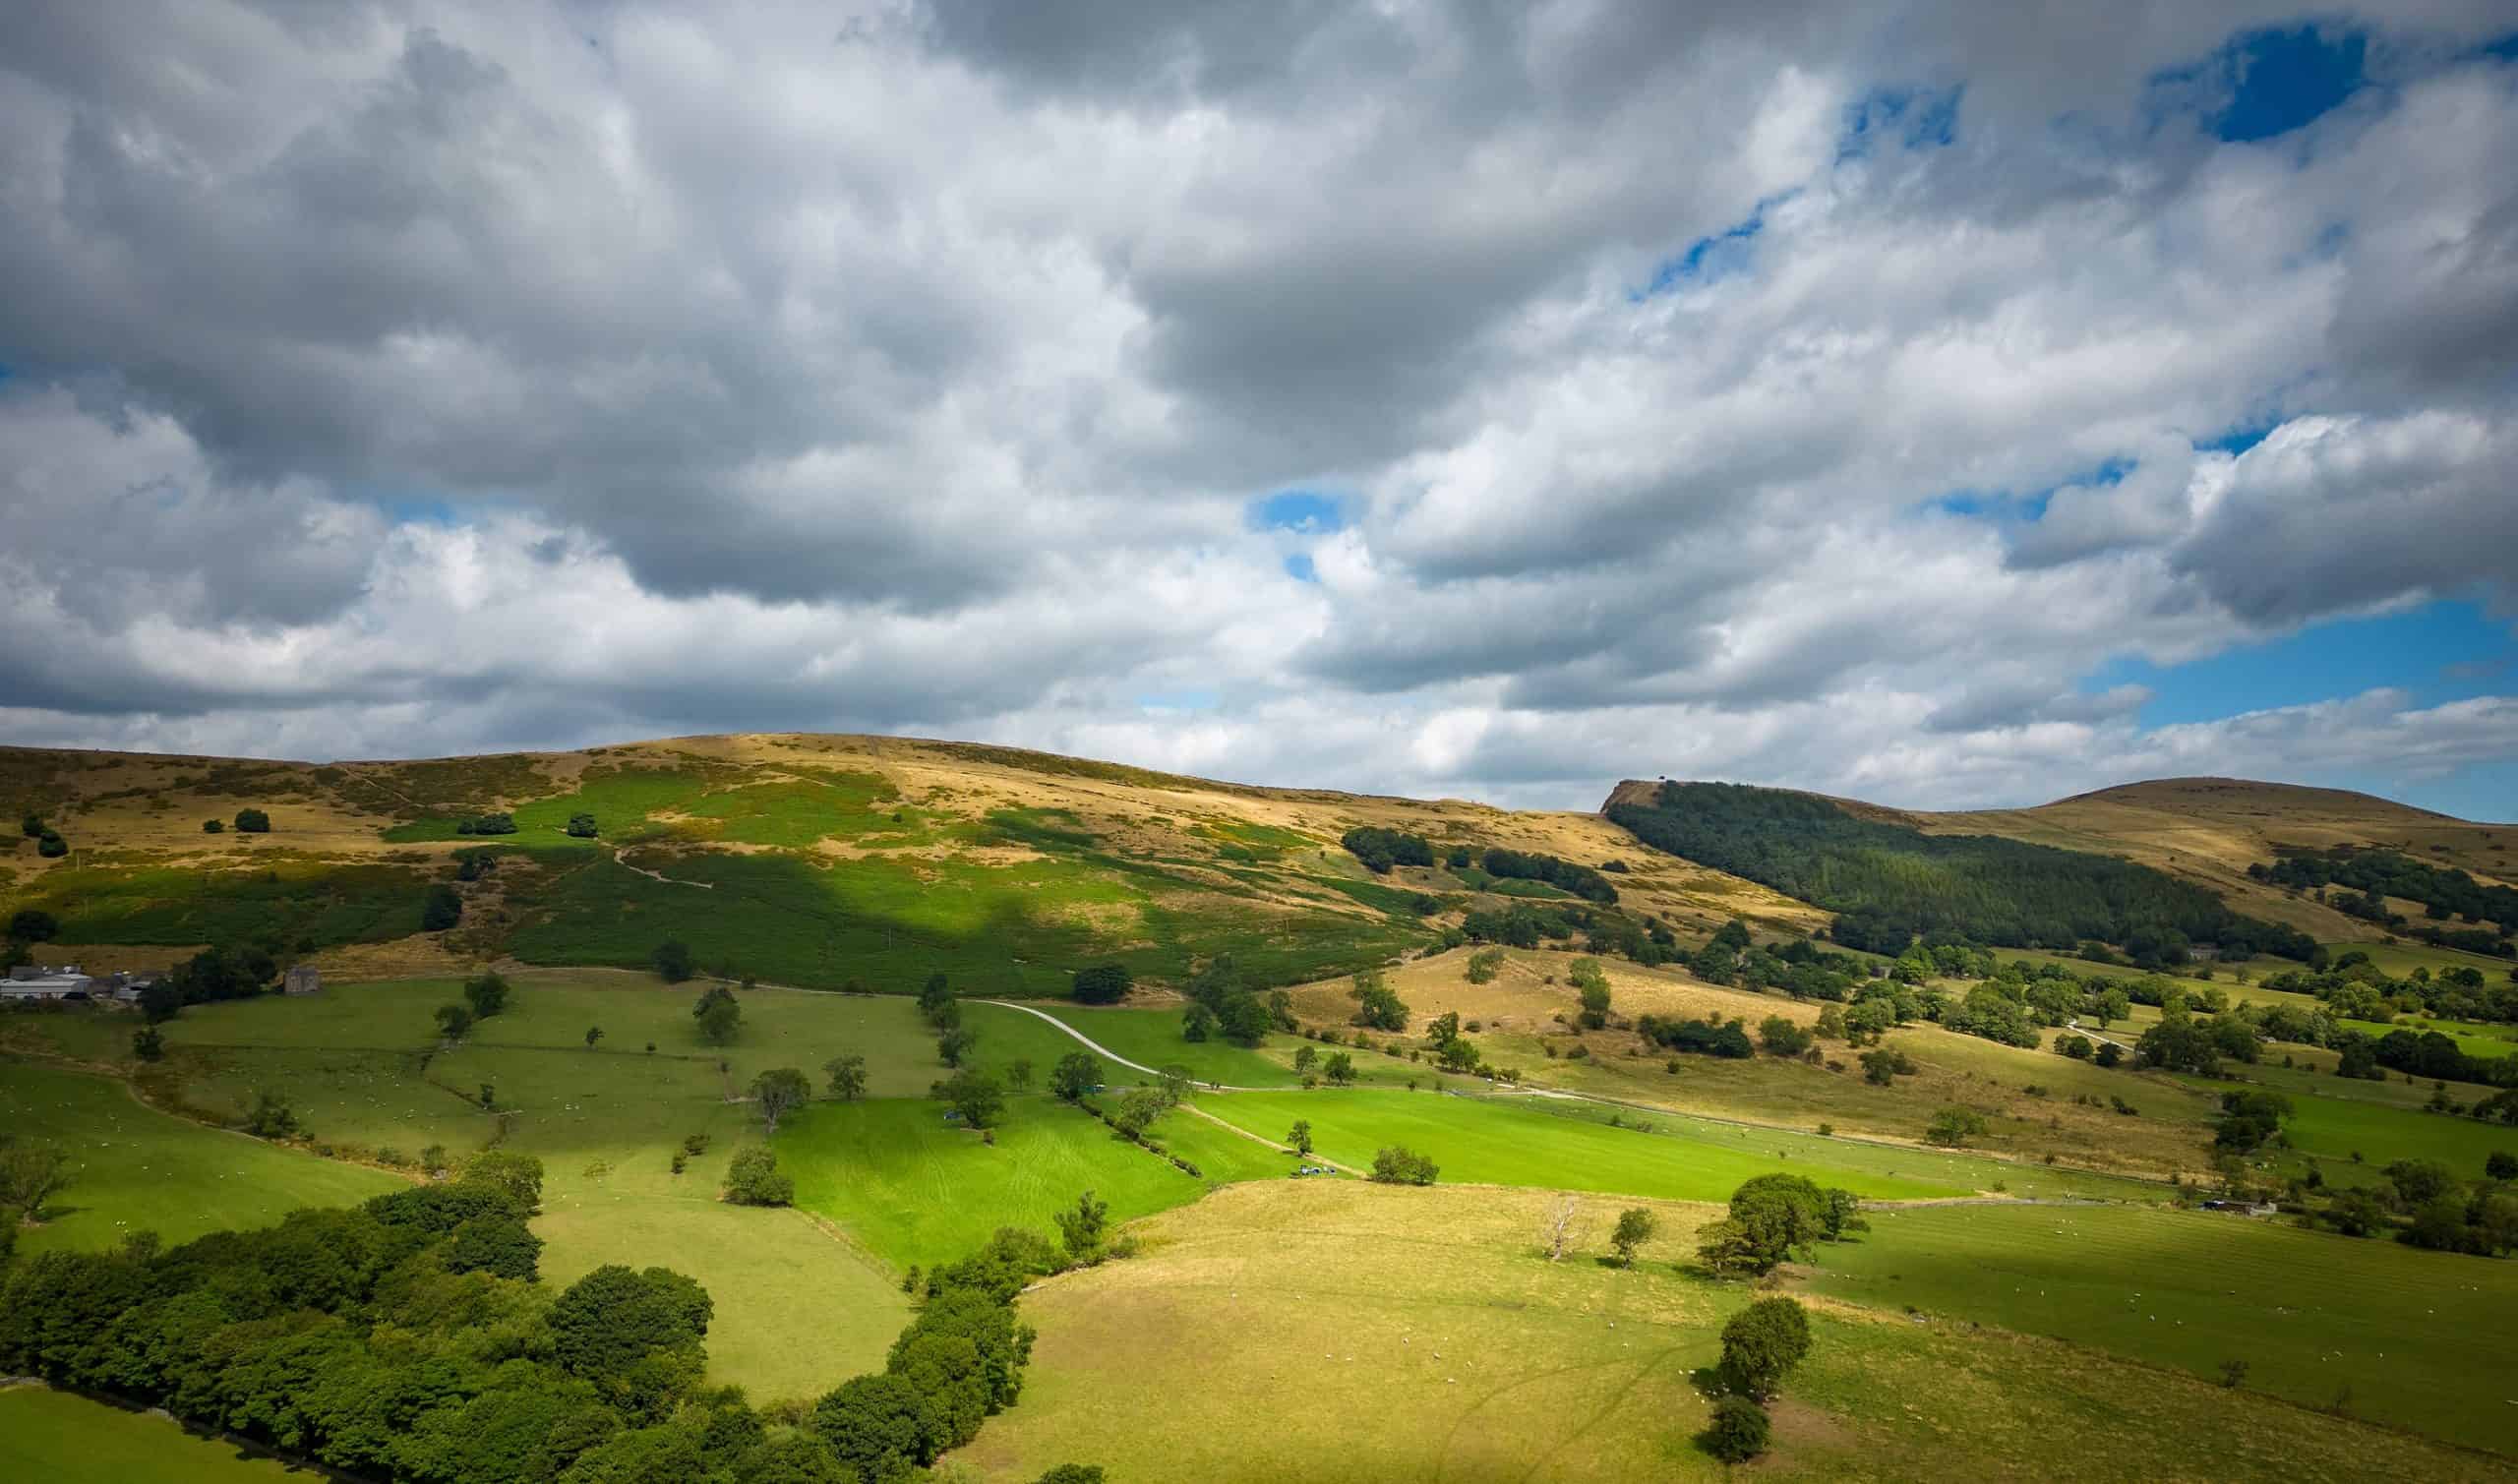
(1729,389)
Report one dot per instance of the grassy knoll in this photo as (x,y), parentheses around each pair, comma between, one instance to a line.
(134,1168)
(54,1435)
(1339,1330)
(914,1189)
(1499,1143)
(2417,1335)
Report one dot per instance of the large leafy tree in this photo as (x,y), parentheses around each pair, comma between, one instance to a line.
(778,1092)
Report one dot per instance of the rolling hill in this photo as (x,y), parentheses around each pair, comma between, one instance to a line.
(821,860)
(2209,830)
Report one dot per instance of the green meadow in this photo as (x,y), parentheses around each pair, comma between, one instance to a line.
(2418,1338)
(134,1168)
(914,1189)
(1499,1142)
(47,1435)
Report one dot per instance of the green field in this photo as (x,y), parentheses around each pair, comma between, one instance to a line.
(135,1168)
(47,1435)
(2419,1336)
(1339,1330)
(799,1309)
(2331,1129)
(2400,959)
(2473,1039)
(1486,1141)
(1152,1037)
(916,1189)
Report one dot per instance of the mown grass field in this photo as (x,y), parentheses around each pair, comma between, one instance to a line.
(47,1435)
(1339,1330)
(2420,1338)
(914,1189)
(135,1168)
(1492,1140)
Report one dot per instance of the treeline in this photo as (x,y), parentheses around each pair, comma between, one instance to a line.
(2370,876)
(1890,884)
(409,1338)
(2357,989)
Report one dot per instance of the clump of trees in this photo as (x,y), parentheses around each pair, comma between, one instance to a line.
(1102,984)
(1761,1346)
(1380,850)
(1378,1007)
(582,826)
(252,821)
(719,1014)
(486,824)
(1773,1218)
(1075,1076)
(1484,965)
(441,908)
(1397,1165)
(1565,875)
(2371,877)
(672,961)
(978,1096)
(753,1178)
(1702,1037)
(487,994)
(1954,1125)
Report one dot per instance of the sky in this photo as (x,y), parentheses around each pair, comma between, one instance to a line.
(1956,405)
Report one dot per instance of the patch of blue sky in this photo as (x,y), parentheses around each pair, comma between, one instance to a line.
(2443,651)
(1300,568)
(1918,118)
(2031,505)
(1718,255)
(2264,84)
(1303,511)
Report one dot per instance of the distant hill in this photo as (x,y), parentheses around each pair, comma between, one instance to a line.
(799,858)
(2209,830)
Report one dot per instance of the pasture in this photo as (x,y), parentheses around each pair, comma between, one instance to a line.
(799,1308)
(2416,1337)
(1494,1140)
(913,1189)
(1339,1330)
(134,1168)
(54,1435)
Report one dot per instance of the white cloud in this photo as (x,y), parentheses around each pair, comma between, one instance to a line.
(536,376)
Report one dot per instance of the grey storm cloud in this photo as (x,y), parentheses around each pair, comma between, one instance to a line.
(390,376)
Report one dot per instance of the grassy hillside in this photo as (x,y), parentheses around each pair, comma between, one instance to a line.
(813,861)
(2209,830)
